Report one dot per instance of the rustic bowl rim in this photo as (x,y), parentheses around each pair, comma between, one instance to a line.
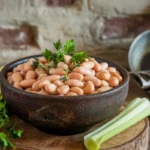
(23,92)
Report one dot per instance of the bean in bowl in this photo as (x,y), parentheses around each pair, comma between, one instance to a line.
(67,73)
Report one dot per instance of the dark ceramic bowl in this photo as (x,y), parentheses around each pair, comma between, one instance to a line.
(63,114)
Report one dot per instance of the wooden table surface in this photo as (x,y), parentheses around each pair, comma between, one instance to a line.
(135,91)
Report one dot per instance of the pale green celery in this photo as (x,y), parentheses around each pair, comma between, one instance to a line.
(128,124)
(123,118)
(1,67)
(134,103)
(119,129)
(137,110)
(141,107)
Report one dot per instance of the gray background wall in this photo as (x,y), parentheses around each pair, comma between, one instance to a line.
(107,26)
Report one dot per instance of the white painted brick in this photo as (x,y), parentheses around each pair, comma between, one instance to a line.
(120,7)
(55,23)
(8,55)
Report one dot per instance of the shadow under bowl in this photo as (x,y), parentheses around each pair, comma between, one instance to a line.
(63,114)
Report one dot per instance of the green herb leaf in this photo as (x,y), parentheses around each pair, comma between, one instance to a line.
(79,57)
(58,58)
(11,145)
(1,97)
(5,141)
(66,71)
(76,65)
(2,105)
(64,78)
(4,119)
(48,66)
(35,63)
(48,54)
(58,45)
(41,66)
(3,114)
(69,47)
(4,122)
(14,133)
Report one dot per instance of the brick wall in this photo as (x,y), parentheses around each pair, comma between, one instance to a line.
(29,26)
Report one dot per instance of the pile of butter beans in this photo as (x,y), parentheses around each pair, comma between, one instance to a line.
(90,77)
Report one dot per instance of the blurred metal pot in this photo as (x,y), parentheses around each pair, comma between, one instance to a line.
(139,59)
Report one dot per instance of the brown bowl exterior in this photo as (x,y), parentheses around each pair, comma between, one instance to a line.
(62,114)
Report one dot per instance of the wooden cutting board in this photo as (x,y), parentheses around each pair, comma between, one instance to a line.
(134,138)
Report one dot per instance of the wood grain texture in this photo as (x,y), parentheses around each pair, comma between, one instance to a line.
(134,138)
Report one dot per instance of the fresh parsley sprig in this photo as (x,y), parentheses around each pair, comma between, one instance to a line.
(5,142)
(4,120)
(65,77)
(79,57)
(36,63)
(67,49)
(58,45)
(48,54)
(13,132)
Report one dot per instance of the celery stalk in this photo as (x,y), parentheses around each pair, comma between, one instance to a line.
(141,107)
(130,107)
(128,124)
(1,67)
(128,118)
(123,118)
